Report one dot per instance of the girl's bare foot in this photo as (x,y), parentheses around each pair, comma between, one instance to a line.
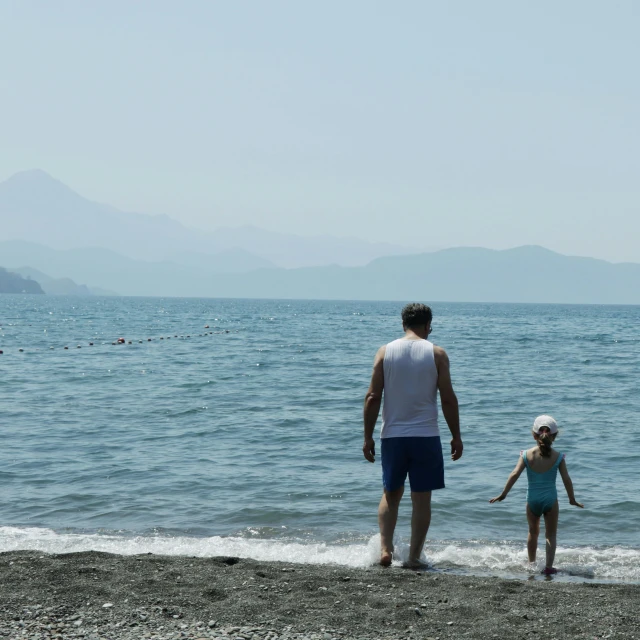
(549,571)
(385,558)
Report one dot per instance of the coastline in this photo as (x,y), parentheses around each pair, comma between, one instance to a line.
(152,596)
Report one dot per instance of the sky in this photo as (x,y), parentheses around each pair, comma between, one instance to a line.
(492,124)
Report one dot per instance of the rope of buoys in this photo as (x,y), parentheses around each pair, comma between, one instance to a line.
(125,341)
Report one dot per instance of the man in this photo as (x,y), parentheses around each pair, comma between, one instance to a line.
(410,371)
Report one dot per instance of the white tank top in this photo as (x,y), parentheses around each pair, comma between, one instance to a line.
(410,406)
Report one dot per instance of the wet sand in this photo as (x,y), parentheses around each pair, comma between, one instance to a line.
(97,596)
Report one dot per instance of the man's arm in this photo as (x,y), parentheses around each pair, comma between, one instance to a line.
(372,402)
(448,400)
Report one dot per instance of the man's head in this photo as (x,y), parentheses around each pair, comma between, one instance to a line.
(417,317)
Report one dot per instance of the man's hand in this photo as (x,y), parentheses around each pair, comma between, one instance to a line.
(499,498)
(456,448)
(575,503)
(369,449)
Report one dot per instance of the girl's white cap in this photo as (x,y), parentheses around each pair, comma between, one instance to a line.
(545,421)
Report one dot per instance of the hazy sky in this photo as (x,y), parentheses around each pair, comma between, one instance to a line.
(492,123)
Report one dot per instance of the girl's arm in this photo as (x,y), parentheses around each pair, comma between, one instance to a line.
(568,485)
(511,480)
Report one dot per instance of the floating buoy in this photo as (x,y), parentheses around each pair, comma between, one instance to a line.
(125,341)
(206,326)
(1,352)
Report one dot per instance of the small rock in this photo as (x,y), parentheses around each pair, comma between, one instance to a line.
(449,623)
(212,624)
(107,605)
(418,612)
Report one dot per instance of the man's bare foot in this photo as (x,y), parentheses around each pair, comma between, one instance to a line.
(416,565)
(385,558)
(549,571)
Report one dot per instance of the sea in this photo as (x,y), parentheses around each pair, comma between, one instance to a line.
(222,427)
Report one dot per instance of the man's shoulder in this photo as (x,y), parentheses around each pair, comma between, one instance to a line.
(439,352)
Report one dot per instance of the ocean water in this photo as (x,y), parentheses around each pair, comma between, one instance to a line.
(244,438)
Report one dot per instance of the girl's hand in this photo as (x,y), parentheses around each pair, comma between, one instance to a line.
(499,498)
(575,503)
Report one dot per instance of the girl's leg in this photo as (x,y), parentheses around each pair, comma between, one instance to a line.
(532,538)
(550,530)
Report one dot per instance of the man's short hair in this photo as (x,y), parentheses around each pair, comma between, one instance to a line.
(416,314)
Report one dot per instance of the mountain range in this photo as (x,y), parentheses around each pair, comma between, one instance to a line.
(36,207)
(524,274)
(141,255)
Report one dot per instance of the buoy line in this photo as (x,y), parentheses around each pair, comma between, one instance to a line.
(124,341)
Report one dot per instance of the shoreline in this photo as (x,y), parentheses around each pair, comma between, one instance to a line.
(97,595)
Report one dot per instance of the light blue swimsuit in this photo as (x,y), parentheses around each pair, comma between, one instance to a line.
(541,492)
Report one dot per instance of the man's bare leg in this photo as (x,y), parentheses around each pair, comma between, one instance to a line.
(420,521)
(387,518)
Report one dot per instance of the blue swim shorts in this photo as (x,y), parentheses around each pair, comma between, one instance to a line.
(421,458)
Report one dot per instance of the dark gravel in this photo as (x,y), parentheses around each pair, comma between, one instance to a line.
(98,595)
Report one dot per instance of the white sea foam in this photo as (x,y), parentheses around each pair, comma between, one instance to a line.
(469,557)
(600,563)
(48,541)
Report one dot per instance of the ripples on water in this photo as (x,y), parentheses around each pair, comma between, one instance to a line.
(255,434)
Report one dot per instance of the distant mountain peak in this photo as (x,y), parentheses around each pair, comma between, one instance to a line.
(34,176)
(36,182)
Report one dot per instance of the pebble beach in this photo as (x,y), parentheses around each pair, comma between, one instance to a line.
(99,596)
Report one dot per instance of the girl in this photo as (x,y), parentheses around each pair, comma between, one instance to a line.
(542,464)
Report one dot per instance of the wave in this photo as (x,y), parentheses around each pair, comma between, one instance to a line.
(504,559)
(615,563)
